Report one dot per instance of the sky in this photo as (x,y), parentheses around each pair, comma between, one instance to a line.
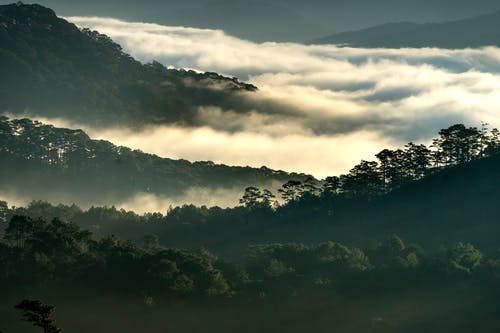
(275,20)
(319,109)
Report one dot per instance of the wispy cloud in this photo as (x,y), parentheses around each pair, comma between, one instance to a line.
(319,109)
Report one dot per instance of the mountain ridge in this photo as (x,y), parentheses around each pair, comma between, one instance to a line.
(276,20)
(478,31)
(58,70)
(36,157)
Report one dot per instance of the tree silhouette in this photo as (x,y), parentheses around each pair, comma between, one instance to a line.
(291,190)
(391,168)
(362,181)
(310,187)
(39,315)
(331,186)
(458,144)
(493,142)
(254,197)
(19,230)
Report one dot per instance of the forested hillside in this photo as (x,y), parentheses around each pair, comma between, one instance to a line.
(382,287)
(433,195)
(404,243)
(45,162)
(57,70)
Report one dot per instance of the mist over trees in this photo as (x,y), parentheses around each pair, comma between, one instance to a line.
(36,156)
(407,242)
(446,183)
(59,70)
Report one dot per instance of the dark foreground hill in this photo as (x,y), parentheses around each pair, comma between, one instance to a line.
(288,281)
(57,164)
(446,205)
(473,32)
(54,69)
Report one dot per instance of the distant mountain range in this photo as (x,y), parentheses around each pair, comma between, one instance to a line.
(473,32)
(275,20)
(51,68)
(57,70)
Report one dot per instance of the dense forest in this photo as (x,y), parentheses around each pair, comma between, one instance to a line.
(58,70)
(407,242)
(35,156)
(269,253)
(361,289)
(426,194)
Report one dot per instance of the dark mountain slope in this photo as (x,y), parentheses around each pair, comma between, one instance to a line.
(41,161)
(452,205)
(461,202)
(473,32)
(54,69)
(456,204)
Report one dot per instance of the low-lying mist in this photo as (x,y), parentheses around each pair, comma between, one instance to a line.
(146,202)
(319,108)
(139,202)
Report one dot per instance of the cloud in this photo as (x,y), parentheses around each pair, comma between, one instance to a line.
(319,108)
(142,203)
(12,198)
(293,152)
(139,202)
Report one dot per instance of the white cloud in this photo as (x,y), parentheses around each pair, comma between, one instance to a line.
(293,152)
(319,109)
(281,147)
(142,203)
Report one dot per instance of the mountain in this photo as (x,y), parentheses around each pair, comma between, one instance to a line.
(275,20)
(450,204)
(58,70)
(472,32)
(253,20)
(455,204)
(56,164)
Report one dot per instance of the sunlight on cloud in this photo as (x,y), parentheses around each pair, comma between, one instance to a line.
(278,148)
(331,106)
(147,202)
(317,153)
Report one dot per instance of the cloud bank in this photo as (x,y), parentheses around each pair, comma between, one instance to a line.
(319,109)
(139,202)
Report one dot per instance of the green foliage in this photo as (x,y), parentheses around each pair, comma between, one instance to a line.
(458,144)
(39,315)
(60,70)
(291,190)
(87,170)
(61,251)
(465,257)
(274,273)
(255,198)
(362,181)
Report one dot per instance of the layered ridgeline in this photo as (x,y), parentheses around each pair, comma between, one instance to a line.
(54,69)
(431,195)
(473,32)
(323,259)
(44,162)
